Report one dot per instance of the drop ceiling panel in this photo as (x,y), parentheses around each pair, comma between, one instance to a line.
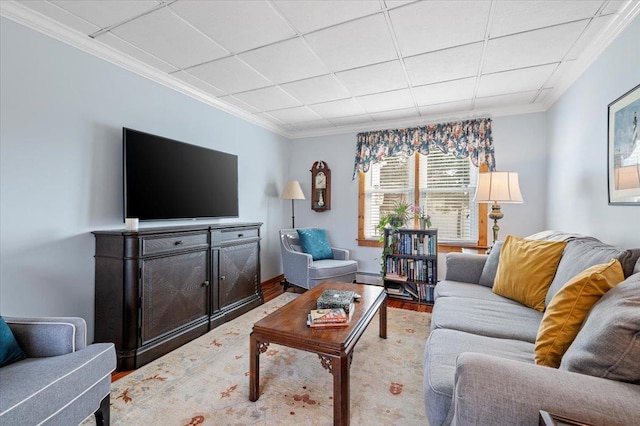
(230,75)
(62,16)
(531,48)
(301,60)
(351,121)
(268,99)
(335,109)
(313,125)
(237,102)
(105,13)
(236,25)
(314,15)
(374,78)
(387,101)
(165,35)
(315,90)
(357,43)
(432,25)
(512,17)
(450,91)
(514,81)
(295,115)
(512,99)
(613,6)
(286,61)
(395,115)
(123,46)
(587,37)
(197,83)
(446,108)
(443,65)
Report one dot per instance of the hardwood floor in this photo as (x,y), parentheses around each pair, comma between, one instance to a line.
(273,288)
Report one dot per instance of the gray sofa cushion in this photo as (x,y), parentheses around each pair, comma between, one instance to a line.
(329,268)
(465,267)
(472,291)
(37,389)
(491,266)
(583,252)
(441,352)
(608,345)
(487,318)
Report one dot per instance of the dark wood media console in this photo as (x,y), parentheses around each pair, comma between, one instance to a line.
(157,289)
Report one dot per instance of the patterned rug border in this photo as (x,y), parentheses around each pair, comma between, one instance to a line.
(206,380)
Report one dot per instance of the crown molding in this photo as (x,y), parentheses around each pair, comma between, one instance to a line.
(13,10)
(604,38)
(16,12)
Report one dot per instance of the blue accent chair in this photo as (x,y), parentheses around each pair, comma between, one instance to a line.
(301,270)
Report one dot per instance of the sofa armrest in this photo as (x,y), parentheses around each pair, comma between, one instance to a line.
(340,254)
(465,267)
(48,336)
(495,391)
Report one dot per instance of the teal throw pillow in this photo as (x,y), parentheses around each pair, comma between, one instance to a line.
(315,243)
(9,350)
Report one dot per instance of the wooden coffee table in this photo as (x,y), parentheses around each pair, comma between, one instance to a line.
(288,327)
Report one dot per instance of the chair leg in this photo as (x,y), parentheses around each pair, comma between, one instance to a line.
(285,283)
(103,413)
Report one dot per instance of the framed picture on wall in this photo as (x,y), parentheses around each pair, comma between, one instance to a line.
(624,149)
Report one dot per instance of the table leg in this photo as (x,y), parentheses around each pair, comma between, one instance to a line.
(341,387)
(254,368)
(383,319)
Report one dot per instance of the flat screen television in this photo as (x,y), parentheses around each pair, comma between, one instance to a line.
(165,179)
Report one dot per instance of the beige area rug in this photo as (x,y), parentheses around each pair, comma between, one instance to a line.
(206,382)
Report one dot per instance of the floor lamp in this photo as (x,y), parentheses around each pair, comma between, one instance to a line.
(293,192)
(497,187)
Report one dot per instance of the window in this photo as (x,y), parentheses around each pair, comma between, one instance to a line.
(441,183)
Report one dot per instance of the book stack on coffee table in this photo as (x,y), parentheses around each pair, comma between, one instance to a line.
(327,318)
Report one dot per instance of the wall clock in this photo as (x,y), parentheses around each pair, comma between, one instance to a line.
(320,187)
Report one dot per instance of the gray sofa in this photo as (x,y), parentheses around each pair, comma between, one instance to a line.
(62,381)
(479,364)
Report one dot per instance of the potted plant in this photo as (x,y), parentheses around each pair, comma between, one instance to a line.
(421,214)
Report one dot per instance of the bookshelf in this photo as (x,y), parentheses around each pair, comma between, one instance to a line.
(410,264)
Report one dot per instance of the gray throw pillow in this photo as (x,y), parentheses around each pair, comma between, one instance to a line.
(608,345)
(490,268)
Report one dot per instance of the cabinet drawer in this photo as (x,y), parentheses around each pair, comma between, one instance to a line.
(178,242)
(219,237)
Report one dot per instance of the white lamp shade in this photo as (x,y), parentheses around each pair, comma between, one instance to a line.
(293,191)
(501,187)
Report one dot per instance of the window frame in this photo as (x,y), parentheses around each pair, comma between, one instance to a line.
(444,247)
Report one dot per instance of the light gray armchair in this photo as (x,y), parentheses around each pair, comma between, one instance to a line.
(62,381)
(301,270)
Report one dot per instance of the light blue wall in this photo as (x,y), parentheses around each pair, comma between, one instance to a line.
(577,138)
(520,146)
(61,118)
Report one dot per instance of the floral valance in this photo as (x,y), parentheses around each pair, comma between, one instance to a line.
(469,138)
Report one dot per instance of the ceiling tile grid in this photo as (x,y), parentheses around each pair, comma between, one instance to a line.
(309,67)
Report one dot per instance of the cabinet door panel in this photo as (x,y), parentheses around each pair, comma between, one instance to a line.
(238,272)
(174,293)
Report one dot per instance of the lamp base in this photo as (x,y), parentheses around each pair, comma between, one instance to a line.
(496,214)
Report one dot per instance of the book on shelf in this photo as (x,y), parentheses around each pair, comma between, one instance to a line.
(394,288)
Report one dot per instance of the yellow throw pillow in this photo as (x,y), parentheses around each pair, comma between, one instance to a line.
(526,269)
(568,309)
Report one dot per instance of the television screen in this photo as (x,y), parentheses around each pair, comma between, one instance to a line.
(166,179)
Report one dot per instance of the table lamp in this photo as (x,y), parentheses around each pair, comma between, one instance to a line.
(497,187)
